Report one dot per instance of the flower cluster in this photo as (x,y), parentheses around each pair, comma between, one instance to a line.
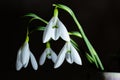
(54,30)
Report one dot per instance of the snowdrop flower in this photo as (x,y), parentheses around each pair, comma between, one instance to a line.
(70,53)
(24,55)
(48,53)
(55,29)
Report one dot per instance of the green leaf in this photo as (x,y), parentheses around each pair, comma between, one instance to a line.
(38,28)
(89,58)
(74,44)
(76,33)
(34,16)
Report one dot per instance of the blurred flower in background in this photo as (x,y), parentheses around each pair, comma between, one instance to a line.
(111,75)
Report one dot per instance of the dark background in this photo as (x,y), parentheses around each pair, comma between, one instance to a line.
(99,19)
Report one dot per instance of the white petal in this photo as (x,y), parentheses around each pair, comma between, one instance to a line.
(43,57)
(25,54)
(18,61)
(49,56)
(55,35)
(75,55)
(61,57)
(49,31)
(54,56)
(69,58)
(33,62)
(26,64)
(63,31)
(56,32)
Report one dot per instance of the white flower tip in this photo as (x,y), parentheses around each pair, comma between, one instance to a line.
(44,41)
(79,62)
(54,56)
(67,39)
(41,63)
(33,62)
(56,66)
(18,66)
(36,68)
(18,61)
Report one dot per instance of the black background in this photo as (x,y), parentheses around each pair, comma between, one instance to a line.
(99,19)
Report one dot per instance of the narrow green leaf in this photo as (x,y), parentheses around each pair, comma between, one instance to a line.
(74,44)
(34,16)
(38,28)
(92,51)
(89,58)
(76,33)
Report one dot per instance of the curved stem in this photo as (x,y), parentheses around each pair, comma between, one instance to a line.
(90,47)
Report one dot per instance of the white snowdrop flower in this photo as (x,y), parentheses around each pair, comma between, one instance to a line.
(23,57)
(55,29)
(48,53)
(70,53)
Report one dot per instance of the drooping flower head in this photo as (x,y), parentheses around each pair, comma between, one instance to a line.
(24,55)
(69,53)
(48,53)
(55,29)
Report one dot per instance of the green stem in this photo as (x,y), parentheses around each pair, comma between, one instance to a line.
(48,45)
(55,12)
(27,37)
(90,47)
(85,38)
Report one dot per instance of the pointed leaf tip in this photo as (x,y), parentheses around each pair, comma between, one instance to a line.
(64,7)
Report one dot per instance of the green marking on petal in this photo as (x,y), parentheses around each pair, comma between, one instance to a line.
(69,51)
(55,27)
(48,54)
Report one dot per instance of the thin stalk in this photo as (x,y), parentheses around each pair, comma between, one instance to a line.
(90,47)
